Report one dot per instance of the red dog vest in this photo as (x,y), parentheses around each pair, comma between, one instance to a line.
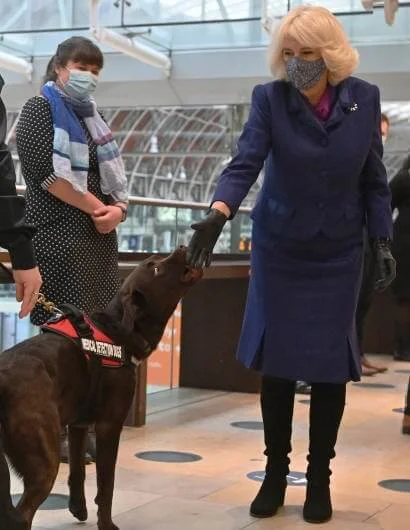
(100,345)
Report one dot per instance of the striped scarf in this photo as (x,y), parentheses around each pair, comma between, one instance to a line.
(70,146)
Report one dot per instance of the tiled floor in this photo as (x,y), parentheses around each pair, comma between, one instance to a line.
(214,493)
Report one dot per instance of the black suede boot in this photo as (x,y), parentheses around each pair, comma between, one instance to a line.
(277,400)
(327,404)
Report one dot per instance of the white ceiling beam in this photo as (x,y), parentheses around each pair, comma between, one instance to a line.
(16,64)
(125,45)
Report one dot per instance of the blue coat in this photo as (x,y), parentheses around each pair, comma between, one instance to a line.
(323,183)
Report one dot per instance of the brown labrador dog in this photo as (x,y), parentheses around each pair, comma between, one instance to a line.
(44,382)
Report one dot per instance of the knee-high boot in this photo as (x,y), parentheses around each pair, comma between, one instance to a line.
(277,400)
(327,404)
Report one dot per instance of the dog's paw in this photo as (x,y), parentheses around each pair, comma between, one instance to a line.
(78,509)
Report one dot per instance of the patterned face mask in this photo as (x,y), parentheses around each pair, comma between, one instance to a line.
(304,74)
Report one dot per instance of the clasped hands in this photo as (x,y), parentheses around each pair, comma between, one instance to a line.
(107,218)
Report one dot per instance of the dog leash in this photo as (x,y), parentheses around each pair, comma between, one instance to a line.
(48,306)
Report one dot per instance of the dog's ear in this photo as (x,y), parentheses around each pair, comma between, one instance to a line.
(132,303)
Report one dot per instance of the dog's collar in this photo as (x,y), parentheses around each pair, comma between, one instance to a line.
(144,345)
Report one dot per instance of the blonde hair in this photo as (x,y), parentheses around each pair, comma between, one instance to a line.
(315,27)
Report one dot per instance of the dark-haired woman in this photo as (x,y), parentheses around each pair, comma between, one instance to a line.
(76,184)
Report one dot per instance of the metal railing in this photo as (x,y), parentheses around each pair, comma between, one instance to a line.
(170,203)
(159,225)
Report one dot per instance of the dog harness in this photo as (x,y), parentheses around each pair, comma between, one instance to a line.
(95,344)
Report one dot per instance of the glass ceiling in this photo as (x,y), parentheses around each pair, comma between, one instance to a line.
(35,27)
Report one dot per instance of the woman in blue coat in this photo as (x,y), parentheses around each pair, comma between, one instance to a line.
(317,130)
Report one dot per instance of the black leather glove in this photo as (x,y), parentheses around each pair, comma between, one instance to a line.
(385,263)
(205,237)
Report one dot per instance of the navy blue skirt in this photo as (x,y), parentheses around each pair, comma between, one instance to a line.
(299,321)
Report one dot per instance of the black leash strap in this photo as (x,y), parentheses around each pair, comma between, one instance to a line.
(76,318)
(87,412)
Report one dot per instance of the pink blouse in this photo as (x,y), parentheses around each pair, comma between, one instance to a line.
(324,107)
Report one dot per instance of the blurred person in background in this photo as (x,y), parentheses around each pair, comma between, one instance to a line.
(406,416)
(15,236)
(317,129)
(368,282)
(400,189)
(76,184)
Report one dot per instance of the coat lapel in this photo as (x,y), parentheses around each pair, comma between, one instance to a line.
(342,106)
(299,107)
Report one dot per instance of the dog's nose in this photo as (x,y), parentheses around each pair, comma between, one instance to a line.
(180,252)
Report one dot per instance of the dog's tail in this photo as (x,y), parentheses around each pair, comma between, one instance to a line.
(10,519)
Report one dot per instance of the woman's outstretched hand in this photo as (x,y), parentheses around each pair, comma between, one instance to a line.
(205,237)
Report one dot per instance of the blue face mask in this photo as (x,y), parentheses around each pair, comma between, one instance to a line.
(80,85)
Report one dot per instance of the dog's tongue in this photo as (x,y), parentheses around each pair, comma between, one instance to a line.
(196,273)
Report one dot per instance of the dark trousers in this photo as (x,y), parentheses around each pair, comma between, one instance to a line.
(402,328)
(366,292)
(407,404)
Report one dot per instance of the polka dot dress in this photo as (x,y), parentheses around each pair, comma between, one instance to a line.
(78,265)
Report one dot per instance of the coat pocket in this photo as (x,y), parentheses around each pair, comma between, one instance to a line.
(268,210)
(279,209)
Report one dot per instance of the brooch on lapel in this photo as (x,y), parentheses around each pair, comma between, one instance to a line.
(353,107)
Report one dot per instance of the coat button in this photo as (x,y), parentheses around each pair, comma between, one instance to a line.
(325,174)
(320,205)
